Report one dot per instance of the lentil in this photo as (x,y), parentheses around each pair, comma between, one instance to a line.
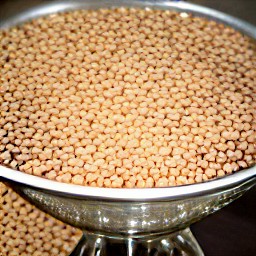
(25,230)
(127,98)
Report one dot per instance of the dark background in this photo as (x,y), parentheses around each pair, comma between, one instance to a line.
(232,230)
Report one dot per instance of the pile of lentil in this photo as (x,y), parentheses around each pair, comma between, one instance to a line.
(24,230)
(127,98)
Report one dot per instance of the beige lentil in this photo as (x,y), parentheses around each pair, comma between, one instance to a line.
(25,230)
(127,98)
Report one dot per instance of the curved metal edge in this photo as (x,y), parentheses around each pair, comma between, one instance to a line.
(51,8)
(249,175)
(133,194)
